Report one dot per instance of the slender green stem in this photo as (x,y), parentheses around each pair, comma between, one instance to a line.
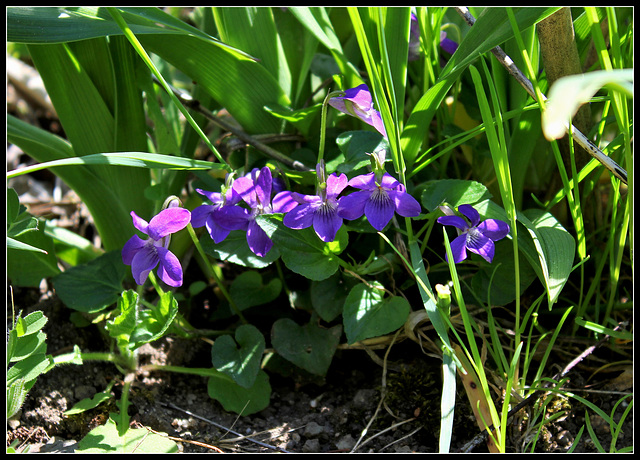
(156,285)
(70,358)
(147,60)
(323,122)
(214,274)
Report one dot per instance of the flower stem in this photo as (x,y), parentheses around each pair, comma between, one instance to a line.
(214,274)
(323,122)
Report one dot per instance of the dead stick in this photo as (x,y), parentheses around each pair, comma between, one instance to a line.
(217,425)
(580,138)
(194,104)
(482,436)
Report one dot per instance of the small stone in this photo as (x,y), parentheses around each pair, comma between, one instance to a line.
(310,446)
(346,443)
(313,429)
(84,391)
(364,398)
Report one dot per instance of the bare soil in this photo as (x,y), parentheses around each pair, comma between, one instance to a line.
(341,413)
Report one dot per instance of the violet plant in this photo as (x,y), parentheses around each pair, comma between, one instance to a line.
(476,236)
(266,218)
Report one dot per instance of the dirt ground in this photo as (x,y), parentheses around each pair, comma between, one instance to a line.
(306,415)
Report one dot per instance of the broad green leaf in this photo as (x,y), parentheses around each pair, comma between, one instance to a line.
(499,287)
(28,268)
(106,439)
(20,246)
(129,115)
(93,286)
(328,295)
(122,326)
(236,398)
(300,48)
(396,34)
(153,322)
(454,192)
(253,30)
(19,222)
(28,345)
(248,290)
(33,323)
(310,347)
(60,25)
(302,119)
(546,245)
(301,250)
(317,21)
(89,403)
(235,249)
(29,368)
(368,314)
(240,359)
(355,147)
(558,247)
(110,215)
(71,247)
(13,206)
(81,83)
(242,86)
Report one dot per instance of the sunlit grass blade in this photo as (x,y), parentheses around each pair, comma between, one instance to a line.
(253,30)
(105,207)
(135,159)
(490,30)
(472,357)
(68,24)
(317,21)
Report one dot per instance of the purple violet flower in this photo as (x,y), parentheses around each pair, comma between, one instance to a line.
(447,44)
(319,210)
(358,102)
(255,191)
(476,236)
(208,215)
(377,200)
(414,38)
(145,255)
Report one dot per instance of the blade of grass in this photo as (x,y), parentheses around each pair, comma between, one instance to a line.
(494,29)
(317,21)
(381,97)
(145,57)
(253,30)
(475,358)
(134,159)
(500,159)
(104,205)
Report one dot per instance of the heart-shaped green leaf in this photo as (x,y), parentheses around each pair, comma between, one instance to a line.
(93,286)
(248,290)
(236,398)
(309,347)
(454,191)
(301,250)
(241,358)
(367,314)
(106,439)
(154,322)
(235,249)
(327,296)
